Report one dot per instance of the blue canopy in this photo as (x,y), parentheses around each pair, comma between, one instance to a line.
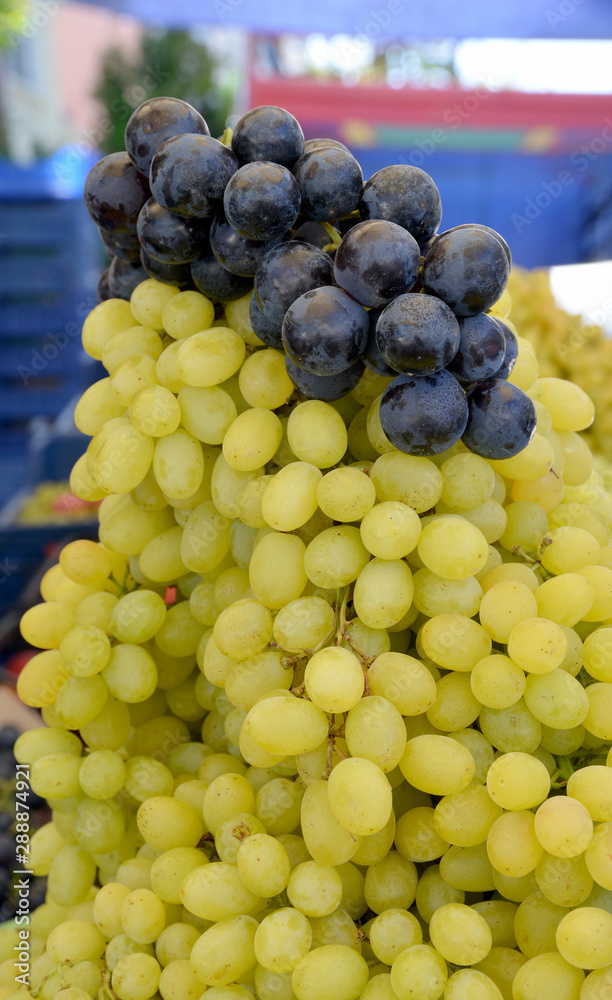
(385,18)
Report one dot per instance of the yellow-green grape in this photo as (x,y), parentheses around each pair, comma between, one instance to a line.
(276,571)
(546,972)
(282,724)
(454,641)
(178,981)
(141,340)
(226,795)
(556,699)
(282,939)
(75,941)
(252,439)
(99,825)
(599,854)
(56,775)
(79,700)
(390,883)
(416,482)
(204,541)
(128,528)
(187,313)
(202,604)
(147,495)
(419,973)
(209,357)
(601,579)
(497,682)
(416,837)
(376,846)
(335,928)
(178,464)
(170,868)
(530,463)
(175,942)
(499,914)
(224,952)
(565,599)
(504,605)
(85,650)
(303,623)
(131,674)
(103,322)
(518,781)
(123,458)
(374,729)
(272,985)
(509,571)
(433,595)
(263,865)
(392,931)
(143,916)
(569,406)
(512,844)
(334,679)
(165,822)
(290,498)
(132,374)
(471,984)
(510,729)
(584,937)
(137,616)
(359,442)
(563,826)
(135,873)
(71,876)
(404,681)
(569,549)
(107,908)
(102,774)
(346,494)
(501,965)
(598,654)
(547,490)
(455,706)
(578,458)
(247,681)
(109,729)
(45,625)
(592,785)
(481,750)
(366,641)
(215,892)
(82,483)
(597,984)
(171,670)
(206,413)
(167,370)
(95,610)
(136,977)
(562,741)
(360,795)
(525,526)
(437,764)
(468,481)
(468,868)
(335,557)
(390,530)
(564,881)
(537,645)
(460,934)
(330,970)
(317,434)
(452,548)
(583,516)
(249,501)
(227,484)
(97,405)
(264,381)
(466,817)
(146,776)
(326,839)
(599,718)
(120,946)
(148,300)
(45,843)
(383,591)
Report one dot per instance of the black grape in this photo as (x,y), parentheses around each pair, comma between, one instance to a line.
(424,416)
(189,174)
(123,276)
(511,349)
(467,269)
(325,331)
(268,133)
(237,254)
(124,245)
(313,233)
(271,333)
(372,357)
(502,419)
(405,195)
(261,200)
(170,274)
(325,387)
(417,334)
(286,272)
(485,229)
(115,192)
(103,292)
(330,182)
(481,349)
(156,120)
(376,261)
(216,282)
(311,144)
(172,238)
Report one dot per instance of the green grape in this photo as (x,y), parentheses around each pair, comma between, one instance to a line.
(129,529)
(433,892)
(592,786)
(391,883)
(215,891)
(404,681)
(467,481)
(433,595)
(518,781)
(178,464)
(242,543)
(416,837)
(393,930)
(216,764)
(365,641)
(497,682)
(479,747)
(471,984)
(120,946)
(170,868)
(278,805)
(286,725)
(455,706)
(165,822)
(175,942)
(56,775)
(452,548)
(226,795)
(121,460)
(468,868)
(99,825)
(334,679)
(504,605)
(335,557)
(359,795)
(39,742)
(263,865)
(526,523)
(227,484)
(243,629)
(437,764)
(564,881)
(178,981)
(102,774)
(85,650)
(460,934)
(569,406)
(327,841)
(556,699)
(335,928)
(383,592)
(97,405)
(154,410)
(135,873)
(290,498)
(330,970)
(282,939)
(187,313)
(466,817)
(303,623)
(513,846)
(71,875)
(598,721)
(167,371)
(510,571)
(161,560)
(247,681)
(596,984)
(209,357)
(107,908)
(276,572)
(125,344)
(454,641)
(569,548)
(263,380)
(45,625)
(79,700)
(252,439)
(103,322)
(374,729)
(131,674)
(511,729)
(45,844)
(598,654)
(110,727)
(231,585)
(499,914)
(136,977)
(598,855)
(501,965)
(316,434)
(416,482)
(419,973)
(75,941)
(132,374)
(145,777)
(563,826)
(346,494)
(600,577)
(584,937)
(143,916)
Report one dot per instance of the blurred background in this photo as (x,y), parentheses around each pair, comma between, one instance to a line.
(507,106)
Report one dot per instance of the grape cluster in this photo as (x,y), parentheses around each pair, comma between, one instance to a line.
(341,274)
(323,719)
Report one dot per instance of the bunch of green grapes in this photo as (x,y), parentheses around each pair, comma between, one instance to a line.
(322,719)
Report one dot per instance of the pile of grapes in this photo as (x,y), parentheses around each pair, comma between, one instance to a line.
(329,705)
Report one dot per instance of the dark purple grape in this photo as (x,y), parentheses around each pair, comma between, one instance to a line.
(417,334)
(510,350)
(467,269)
(325,387)
(114,193)
(262,200)
(325,331)
(189,174)
(286,272)
(502,419)
(330,182)
(313,233)
(424,416)
(125,246)
(376,261)
(405,195)
(268,133)
(311,144)
(172,238)
(170,274)
(156,120)
(485,229)
(267,331)
(481,349)
(123,276)
(216,282)
(103,292)
(237,254)
(8,735)
(372,357)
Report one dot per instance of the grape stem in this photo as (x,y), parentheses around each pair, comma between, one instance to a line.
(333,234)
(226,138)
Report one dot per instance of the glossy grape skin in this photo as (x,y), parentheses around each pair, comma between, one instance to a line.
(486,229)
(511,349)
(268,133)
(170,274)
(330,182)
(123,276)
(237,254)
(189,174)
(502,419)
(261,200)
(405,195)
(156,120)
(467,269)
(313,233)
(216,282)
(114,193)
(124,245)
(376,261)
(424,416)
(372,357)
(325,387)
(172,238)
(417,334)
(311,144)
(103,292)
(286,272)
(325,331)
(481,349)
(267,331)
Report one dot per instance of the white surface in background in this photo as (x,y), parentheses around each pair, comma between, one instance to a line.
(548,65)
(586,290)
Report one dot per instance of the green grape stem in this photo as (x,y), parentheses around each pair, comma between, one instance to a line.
(226,138)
